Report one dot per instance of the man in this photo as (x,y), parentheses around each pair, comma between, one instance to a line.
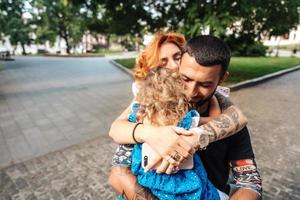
(203,67)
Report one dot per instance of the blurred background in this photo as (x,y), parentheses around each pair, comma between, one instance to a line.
(61,86)
(251,28)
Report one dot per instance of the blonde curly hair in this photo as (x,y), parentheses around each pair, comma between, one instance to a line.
(162,98)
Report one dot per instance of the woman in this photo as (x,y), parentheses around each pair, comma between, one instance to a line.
(164,50)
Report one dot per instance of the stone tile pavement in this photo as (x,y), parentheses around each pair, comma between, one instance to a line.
(77,172)
(50,103)
(273,111)
(80,171)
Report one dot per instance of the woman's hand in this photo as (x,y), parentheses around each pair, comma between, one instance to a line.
(172,148)
(166,167)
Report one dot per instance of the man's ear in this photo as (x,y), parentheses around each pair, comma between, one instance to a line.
(225,76)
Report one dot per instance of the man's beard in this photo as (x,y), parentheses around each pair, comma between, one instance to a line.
(201,102)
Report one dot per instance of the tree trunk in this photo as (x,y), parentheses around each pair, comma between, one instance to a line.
(68,45)
(277,49)
(23,49)
(107,41)
(64,35)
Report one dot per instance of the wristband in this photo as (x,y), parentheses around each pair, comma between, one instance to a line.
(133,132)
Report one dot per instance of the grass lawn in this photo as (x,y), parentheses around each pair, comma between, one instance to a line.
(245,68)
(127,62)
(108,52)
(1,67)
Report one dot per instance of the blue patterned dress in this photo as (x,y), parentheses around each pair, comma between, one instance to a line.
(184,185)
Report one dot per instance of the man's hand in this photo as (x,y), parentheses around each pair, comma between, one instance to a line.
(173,148)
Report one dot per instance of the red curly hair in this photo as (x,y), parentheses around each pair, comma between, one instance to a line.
(149,58)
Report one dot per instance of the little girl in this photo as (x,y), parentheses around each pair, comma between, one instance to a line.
(161,101)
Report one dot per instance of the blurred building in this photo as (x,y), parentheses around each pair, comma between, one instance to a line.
(289,39)
(86,45)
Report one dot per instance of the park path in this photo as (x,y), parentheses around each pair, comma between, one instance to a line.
(80,171)
(273,111)
(49,103)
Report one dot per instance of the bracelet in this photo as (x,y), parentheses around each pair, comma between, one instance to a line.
(133,132)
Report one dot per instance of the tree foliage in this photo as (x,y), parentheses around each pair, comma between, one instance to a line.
(240,23)
(59,18)
(13,23)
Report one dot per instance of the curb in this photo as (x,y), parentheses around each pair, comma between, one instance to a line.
(7,59)
(234,87)
(124,69)
(255,81)
(73,56)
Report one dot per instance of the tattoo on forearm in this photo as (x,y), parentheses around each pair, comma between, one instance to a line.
(142,193)
(223,134)
(210,129)
(245,174)
(234,116)
(222,122)
(223,126)
(226,124)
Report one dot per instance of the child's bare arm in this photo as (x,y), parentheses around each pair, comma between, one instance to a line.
(214,111)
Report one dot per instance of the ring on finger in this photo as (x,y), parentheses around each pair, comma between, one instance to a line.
(177,157)
(175,169)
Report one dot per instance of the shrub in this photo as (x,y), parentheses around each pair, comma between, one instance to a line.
(256,49)
(42,51)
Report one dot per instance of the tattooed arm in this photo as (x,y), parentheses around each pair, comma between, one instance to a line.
(228,123)
(247,181)
(125,183)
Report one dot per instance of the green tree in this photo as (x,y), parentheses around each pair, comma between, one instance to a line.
(270,17)
(241,23)
(59,18)
(119,17)
(13,23)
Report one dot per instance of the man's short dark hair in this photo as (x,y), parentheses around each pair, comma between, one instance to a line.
(208,51)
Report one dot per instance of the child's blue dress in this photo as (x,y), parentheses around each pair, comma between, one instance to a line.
(185,184)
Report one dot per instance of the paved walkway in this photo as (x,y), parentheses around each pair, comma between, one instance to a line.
(273,110)
(80,171)
(50,103)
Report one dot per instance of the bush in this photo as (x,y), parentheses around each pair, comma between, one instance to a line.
(98,48)
(256,49)
(42,51)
